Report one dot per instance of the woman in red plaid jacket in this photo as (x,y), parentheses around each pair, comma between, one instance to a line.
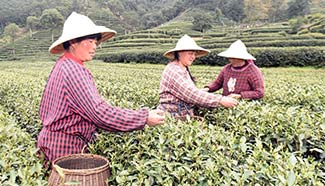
(241,78)
(71,109)
(178,93)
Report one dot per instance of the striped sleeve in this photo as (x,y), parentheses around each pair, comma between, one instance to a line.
(84,99)
(184,89)
(256,80)
(217,83)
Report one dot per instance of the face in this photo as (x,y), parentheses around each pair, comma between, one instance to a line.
(85,49)
(186,57)
(236,61)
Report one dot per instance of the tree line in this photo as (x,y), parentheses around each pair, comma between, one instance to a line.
(132,15)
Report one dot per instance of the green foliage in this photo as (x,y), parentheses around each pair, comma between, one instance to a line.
(32,23)
(233,9)
(266,57)
(12,31)
(14,11)
(51,18)
(278,140)
(21,99)
(314,23)
(128,15)
(202,21)
(298,8)
(19,164)
(277,10)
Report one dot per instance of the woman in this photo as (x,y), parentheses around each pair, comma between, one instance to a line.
(71,109)
(178,93)
(241,78)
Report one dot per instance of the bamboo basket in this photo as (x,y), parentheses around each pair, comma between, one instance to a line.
(80,169)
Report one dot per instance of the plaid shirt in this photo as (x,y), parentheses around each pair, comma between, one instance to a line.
(71,110)
(178,94)
(247,81)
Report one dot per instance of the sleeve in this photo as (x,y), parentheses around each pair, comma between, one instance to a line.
(217,83)
(86,101)
(184,89)
(256,81)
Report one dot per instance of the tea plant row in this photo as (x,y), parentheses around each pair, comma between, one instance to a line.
(278,140)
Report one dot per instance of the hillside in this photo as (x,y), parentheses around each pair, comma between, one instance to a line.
(130,15)
(270,43)
(301,35)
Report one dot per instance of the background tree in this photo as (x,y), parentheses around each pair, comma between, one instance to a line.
(15,11)
(277,10)
(296,24)
(255,10)
(32,24)
(12,30)
(51,19)
(65,7)
(132,15)
(233,9)
(317,6)
(38,7)
(202,21)
(153,20)
(219,16)
(298,8)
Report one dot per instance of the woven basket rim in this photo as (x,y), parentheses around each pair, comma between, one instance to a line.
(82,171)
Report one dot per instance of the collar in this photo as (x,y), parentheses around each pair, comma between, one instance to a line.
(242,68)
(70,56)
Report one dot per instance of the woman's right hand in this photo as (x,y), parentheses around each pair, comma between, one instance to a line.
(228,102)
(155,117)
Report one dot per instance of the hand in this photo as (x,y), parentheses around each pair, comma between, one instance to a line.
(236,96)
(228,102)
(155,117)
(205,89)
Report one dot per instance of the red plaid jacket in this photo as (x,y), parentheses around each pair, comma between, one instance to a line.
(247,81)
(178,94)
(71,110)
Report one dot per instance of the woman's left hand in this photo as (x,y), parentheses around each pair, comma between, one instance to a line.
(236,96)
(205,89)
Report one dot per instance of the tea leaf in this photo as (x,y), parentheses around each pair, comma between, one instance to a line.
(293,160)
(291,178)
(72,183)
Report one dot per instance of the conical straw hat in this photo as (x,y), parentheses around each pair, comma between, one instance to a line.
(186,43)
(76,26)
(237,50)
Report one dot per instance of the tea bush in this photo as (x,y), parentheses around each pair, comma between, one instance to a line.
(266,57)
(278,140)
(19,164)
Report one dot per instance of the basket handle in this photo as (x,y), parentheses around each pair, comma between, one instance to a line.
(87,142)
(83,149)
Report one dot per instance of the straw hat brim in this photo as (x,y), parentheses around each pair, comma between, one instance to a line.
(237,55)
(57,46)
(200,52)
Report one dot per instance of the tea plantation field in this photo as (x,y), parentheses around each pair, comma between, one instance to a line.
(279,140)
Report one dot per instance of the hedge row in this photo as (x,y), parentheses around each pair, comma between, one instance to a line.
(267,30)
(141,35)
(18,165)
(266,57)
(150,40)
(275,41)
(271,43)
(263,38)
(276,141)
